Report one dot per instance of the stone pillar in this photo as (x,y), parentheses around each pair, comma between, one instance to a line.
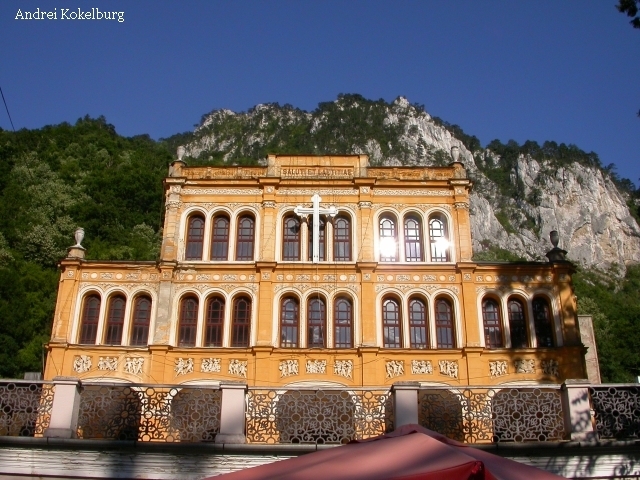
(65,409)
(576,406)
(405,403)
(232,413)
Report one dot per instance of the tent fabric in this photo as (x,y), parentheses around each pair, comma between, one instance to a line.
(410,452)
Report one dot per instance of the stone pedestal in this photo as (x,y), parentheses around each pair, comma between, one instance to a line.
(405,403)
(577,410)
(232,413)
(65,409)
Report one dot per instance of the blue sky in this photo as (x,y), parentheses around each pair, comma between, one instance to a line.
(546,70)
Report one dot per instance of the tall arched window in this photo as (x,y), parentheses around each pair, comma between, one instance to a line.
(517,324)
(220,238)
(418,323)
(492,324)
(388,239)
(90,316)
(542,322)
(214,325)
(141,321)
(195,237)
(444,324)
(321,240)
(438,238)
(391,323)
(342,239)
(245,238)
(343,323)
(413,240)
(289,322)
(241,322)
(115,320)
(316,323)
(188,322)
(291,238)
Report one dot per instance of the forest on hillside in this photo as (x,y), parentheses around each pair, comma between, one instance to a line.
(59,177)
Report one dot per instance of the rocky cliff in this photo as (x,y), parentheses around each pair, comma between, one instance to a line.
(520,194)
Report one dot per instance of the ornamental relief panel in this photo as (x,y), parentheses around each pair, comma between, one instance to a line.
(82,363)
(421,367)
(119,276)
(222,191)
(433,173)
(343,368)
(288,368)
(133,365)
(394,368)
(109,364)
(448,368)
(183,366)
(320,191)
(316,366)
(210,365)
(130,287)
(414,192)
(498,368)
(238,368)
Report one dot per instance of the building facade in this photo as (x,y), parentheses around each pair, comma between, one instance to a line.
(316,270)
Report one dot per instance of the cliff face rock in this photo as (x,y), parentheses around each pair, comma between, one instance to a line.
(515,204)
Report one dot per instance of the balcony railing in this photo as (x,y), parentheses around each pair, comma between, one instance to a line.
(491,414)
(233,413)
(326,416)
(25,407)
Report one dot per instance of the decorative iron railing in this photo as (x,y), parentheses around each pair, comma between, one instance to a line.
(145,413)
(25,407)
(323,416)
(490,414)
(617,410)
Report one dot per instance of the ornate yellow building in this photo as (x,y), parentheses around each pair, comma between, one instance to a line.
(316,270)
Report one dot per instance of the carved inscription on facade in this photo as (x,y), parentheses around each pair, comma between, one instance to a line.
(288,368)
(448,368)
(525,366)
(108,363)
(82,363)
(316,366)
(238,368)
(183,366)
(421,367)
(498,368)
(394,368)
(343,368)
(210,365)
(133,365)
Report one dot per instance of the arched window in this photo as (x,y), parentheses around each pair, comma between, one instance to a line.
(241,322)
(388,240)
(343,323)
(220,238)
(90,316)
(517,324)
(444,324)
(321,240)
(115,320)
(195,237)
(245,238)
(492,324)
(188,322)
(413,240)
(215,322)
(391,323)
(291,238)
(316,323)
(418,323)
(289,322)
(141,321)
(542,322)
(342,239)
(439,239)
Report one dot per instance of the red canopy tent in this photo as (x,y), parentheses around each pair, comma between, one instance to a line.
(410,452)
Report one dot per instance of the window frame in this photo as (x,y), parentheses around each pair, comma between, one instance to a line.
(343,322)
(89,324)
(548,321)
(492,323)
(241,331)
(289,322)
(416,324)
(435,254)
(445,327)
(188,323)
(195,238)
(342,241)
(391,325)
(220,238)
(291,238)
(413,241)
(388,232)
(315,323)
(211,326)
(114,326)
(514,322)
(245,242)
(140,326)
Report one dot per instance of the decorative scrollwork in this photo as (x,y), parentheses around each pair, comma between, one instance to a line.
(143,413)
(25,408)
(493,415)
(617,410)
(317,417)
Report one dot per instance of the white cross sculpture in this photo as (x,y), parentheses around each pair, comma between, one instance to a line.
(316,211)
